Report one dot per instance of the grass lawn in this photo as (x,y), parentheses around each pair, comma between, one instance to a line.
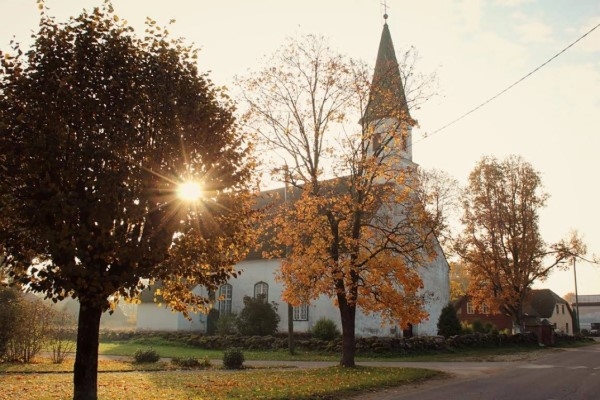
(330,383)
(169,349)
(123,379)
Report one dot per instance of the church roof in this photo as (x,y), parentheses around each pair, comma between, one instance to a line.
(387,97)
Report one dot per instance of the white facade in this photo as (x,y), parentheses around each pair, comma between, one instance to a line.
(435,278)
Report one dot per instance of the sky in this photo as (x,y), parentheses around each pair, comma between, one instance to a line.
(476,48)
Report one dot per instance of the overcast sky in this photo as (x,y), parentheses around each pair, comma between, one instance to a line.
(477,48)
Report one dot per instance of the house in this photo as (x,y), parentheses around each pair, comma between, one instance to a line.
(541,306)
(258,274)
(544,304)
(468,313)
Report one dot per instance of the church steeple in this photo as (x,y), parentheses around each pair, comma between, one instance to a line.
(387,99)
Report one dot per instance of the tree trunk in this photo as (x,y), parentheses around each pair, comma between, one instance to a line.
(85,374)
(291,344)
(348,314)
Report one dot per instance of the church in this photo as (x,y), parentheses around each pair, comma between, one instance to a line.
(258,274)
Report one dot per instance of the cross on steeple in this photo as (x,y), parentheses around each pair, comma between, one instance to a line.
(385,8)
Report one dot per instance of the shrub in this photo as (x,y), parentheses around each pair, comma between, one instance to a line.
(61,338)
(30,330)
(226,324)
(478,326)
(233,358)
(146,356)
(191,362)
(325,329)
(258,317)
(448,323)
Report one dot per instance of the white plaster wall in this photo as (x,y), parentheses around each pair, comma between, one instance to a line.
(563,321)
(151,317)
(436,283)
(385,125)
(435,278)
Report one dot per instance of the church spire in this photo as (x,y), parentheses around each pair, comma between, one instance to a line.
(387,98)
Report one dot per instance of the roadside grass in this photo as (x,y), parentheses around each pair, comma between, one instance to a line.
(171,349)
(274,384)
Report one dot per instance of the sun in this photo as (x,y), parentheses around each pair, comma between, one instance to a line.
(189,191)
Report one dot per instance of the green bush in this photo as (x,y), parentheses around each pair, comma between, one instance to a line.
(325,329)
(448,323)
(258,317)
(226,324)
(190,362)
(146,356)
(233,358)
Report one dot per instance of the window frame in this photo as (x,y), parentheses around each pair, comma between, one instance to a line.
(470,308)
(225,299)
(258,290)
(300,313)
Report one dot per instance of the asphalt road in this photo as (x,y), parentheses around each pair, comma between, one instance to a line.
(572,374)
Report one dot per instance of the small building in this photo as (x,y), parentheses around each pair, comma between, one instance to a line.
(544,304)
(588,307)
(541,307)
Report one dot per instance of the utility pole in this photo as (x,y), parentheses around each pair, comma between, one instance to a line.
(577,327)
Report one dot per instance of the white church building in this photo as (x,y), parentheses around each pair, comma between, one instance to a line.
(258,275)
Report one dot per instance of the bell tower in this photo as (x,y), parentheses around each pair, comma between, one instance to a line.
(387,115)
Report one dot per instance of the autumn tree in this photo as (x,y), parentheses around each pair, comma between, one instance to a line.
(97,129)
(501,245)
(459,280)
(353,229)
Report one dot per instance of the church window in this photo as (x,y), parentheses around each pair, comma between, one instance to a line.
(225,295)
(301,312)
(261,289)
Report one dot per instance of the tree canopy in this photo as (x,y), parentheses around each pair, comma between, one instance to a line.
(501,245)
(97,129)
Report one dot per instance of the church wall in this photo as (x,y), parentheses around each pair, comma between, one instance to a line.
(384,126)
(151,317)
(436,282)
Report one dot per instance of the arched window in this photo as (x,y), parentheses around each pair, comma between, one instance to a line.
(261,289)
(225,292)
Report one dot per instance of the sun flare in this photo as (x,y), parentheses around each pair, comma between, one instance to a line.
(189,191)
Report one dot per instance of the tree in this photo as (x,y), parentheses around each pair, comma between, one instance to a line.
(97,128)
(570,297)
(354,230)
(459,280)
(9,302)
(501,245)
(258,317)
(449,324)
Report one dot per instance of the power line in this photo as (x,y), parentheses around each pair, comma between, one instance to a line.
(427,135)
